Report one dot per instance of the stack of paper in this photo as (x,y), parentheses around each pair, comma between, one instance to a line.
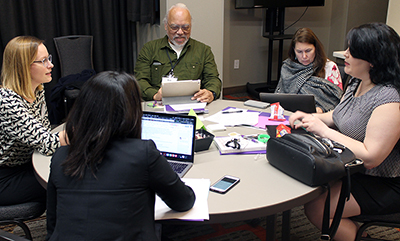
(244,118)
(234,118)
(199,212)
(185,107)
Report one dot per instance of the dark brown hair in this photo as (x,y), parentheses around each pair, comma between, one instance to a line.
(107,108)
(306,35)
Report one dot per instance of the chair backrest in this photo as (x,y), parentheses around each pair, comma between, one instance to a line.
(345,77)
(291,102)
(385,220)
(18,213)
(75,53)
(4,236)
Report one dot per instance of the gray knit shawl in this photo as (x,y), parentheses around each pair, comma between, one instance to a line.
(298,79)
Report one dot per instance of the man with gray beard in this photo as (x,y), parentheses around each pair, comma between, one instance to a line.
(179,57)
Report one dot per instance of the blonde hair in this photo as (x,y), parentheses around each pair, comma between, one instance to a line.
(18,57)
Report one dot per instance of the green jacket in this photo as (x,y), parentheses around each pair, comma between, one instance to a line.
(196,62)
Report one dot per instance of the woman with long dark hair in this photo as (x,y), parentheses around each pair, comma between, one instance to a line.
(103,185)
(367,121)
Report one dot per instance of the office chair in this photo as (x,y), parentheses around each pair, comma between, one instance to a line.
(18,213)
(345,77)
(388,220)
(75,53)
(5,236)
(291,102)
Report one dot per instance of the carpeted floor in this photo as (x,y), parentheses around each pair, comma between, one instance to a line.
(250,230)
(238,96)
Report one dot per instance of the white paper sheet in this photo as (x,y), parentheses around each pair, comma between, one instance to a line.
(199,212)
(232,119)
(180,107)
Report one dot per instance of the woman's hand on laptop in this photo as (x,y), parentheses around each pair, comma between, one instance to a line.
(203,96)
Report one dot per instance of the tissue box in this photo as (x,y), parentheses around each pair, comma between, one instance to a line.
(203,140)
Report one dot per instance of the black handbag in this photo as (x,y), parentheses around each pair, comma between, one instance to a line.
(311,160)
(315,162)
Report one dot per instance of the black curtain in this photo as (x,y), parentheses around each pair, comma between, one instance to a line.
(110,22)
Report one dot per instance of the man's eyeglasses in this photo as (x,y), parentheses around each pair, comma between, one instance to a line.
(46,61)
(175,27)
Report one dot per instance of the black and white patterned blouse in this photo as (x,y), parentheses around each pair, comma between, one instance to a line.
(24,127)
(351,117)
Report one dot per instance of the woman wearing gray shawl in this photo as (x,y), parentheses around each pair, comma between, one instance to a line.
(308,71)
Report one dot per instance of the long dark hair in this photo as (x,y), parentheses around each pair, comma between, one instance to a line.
(306,35)
(107,108)
(378,44)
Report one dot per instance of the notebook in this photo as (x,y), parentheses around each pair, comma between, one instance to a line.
(174,136)
(179,92)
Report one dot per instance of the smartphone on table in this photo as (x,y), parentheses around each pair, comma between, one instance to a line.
(257,104)
(224,184)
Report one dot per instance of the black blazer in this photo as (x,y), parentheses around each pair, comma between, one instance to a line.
(117,204)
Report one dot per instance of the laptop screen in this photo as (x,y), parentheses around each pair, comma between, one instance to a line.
(291,102)
(172,133)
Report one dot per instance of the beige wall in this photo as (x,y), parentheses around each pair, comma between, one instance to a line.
(347,14)
(393,18)
(207,24)
(337,28)
(243,40)
(237,33)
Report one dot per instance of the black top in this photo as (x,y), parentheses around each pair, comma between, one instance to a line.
(117,204)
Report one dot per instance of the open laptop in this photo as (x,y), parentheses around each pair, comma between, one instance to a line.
(291,102)
(179,92)
(174,136)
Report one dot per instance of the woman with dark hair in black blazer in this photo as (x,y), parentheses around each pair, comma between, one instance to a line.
(103,185)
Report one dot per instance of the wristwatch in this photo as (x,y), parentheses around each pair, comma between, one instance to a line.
(215,95)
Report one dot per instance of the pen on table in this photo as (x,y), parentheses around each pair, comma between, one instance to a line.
(246,125)
(231,111)
(253,138)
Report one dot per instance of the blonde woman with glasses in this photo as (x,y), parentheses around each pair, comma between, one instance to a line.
(24,125)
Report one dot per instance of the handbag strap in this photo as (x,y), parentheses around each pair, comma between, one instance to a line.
(329,232)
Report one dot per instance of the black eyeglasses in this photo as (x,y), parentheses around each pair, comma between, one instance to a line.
(46,61)
(175,27)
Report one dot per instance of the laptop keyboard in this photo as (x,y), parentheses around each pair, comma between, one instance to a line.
(177,167)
